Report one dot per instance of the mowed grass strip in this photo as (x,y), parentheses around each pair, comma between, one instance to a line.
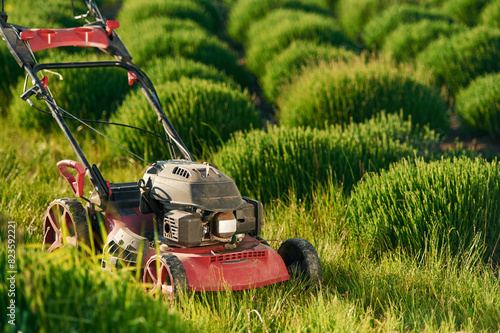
(336,92)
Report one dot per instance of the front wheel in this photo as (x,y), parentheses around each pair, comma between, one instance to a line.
(301,261)
(164,274)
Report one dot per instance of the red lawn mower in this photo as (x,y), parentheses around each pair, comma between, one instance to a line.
(184,224)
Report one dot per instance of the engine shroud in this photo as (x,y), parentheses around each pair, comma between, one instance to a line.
(201,205)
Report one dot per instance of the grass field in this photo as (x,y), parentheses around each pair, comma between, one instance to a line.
(407,235)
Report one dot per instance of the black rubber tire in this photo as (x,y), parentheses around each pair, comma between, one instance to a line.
(301,261)
(78,225)
(175,278)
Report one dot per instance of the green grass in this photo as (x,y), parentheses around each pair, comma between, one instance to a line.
(335,93)
(245,13)
(66,292)
(173,69)
(478,106)
(458,60)
(449,205)
(289,26)
(284,160)
(490,16)
(89,93)
(166,37)
(203,12)
(466,11)
(376,30)
(409,39)
(290,63)
(204,113)
(10,72)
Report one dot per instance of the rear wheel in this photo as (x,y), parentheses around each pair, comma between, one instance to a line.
(301,261)
(65,222)
(165,275)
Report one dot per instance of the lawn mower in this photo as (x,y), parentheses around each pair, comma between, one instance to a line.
(183,225)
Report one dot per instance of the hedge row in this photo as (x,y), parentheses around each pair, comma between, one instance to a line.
(457,60)
(203,12)
(450,204)
(160,37)
(377,29)
(336,93)
(406,41)
(204,113)
(247,12)
(89,93)
(478,106)
(289,64)
(268,164)
(287,26)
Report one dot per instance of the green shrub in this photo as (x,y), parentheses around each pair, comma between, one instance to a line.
(354,14)
(173,69)
(89,93)
(490,15)
(164,37)
(264,43)
(334,93)
(269,164)
(292,60)
(10,71)
(64,292)
(457,60)
(414,204)
(44,14)
(247,12)
(204,113)
(203,12)
(377,29)
(466,11)
(478,106)
(409,39)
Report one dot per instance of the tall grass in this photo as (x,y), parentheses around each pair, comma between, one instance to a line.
(409,39)
(478,106)
(288,26)
(289,64)
(204,113)
(466,11)
(458,60)
(490,16)
(173,69)
(10,72)
(89,93)
(377,29)
(449,205)
(271,165)
(203,12)
(66,292)
(335,93)
(166,37)
(247,12)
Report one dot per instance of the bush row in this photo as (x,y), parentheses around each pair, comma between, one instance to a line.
(203,112)
(448,204)
(336,93)
(267,165)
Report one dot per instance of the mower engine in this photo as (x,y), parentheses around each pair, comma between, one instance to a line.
(198,205)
